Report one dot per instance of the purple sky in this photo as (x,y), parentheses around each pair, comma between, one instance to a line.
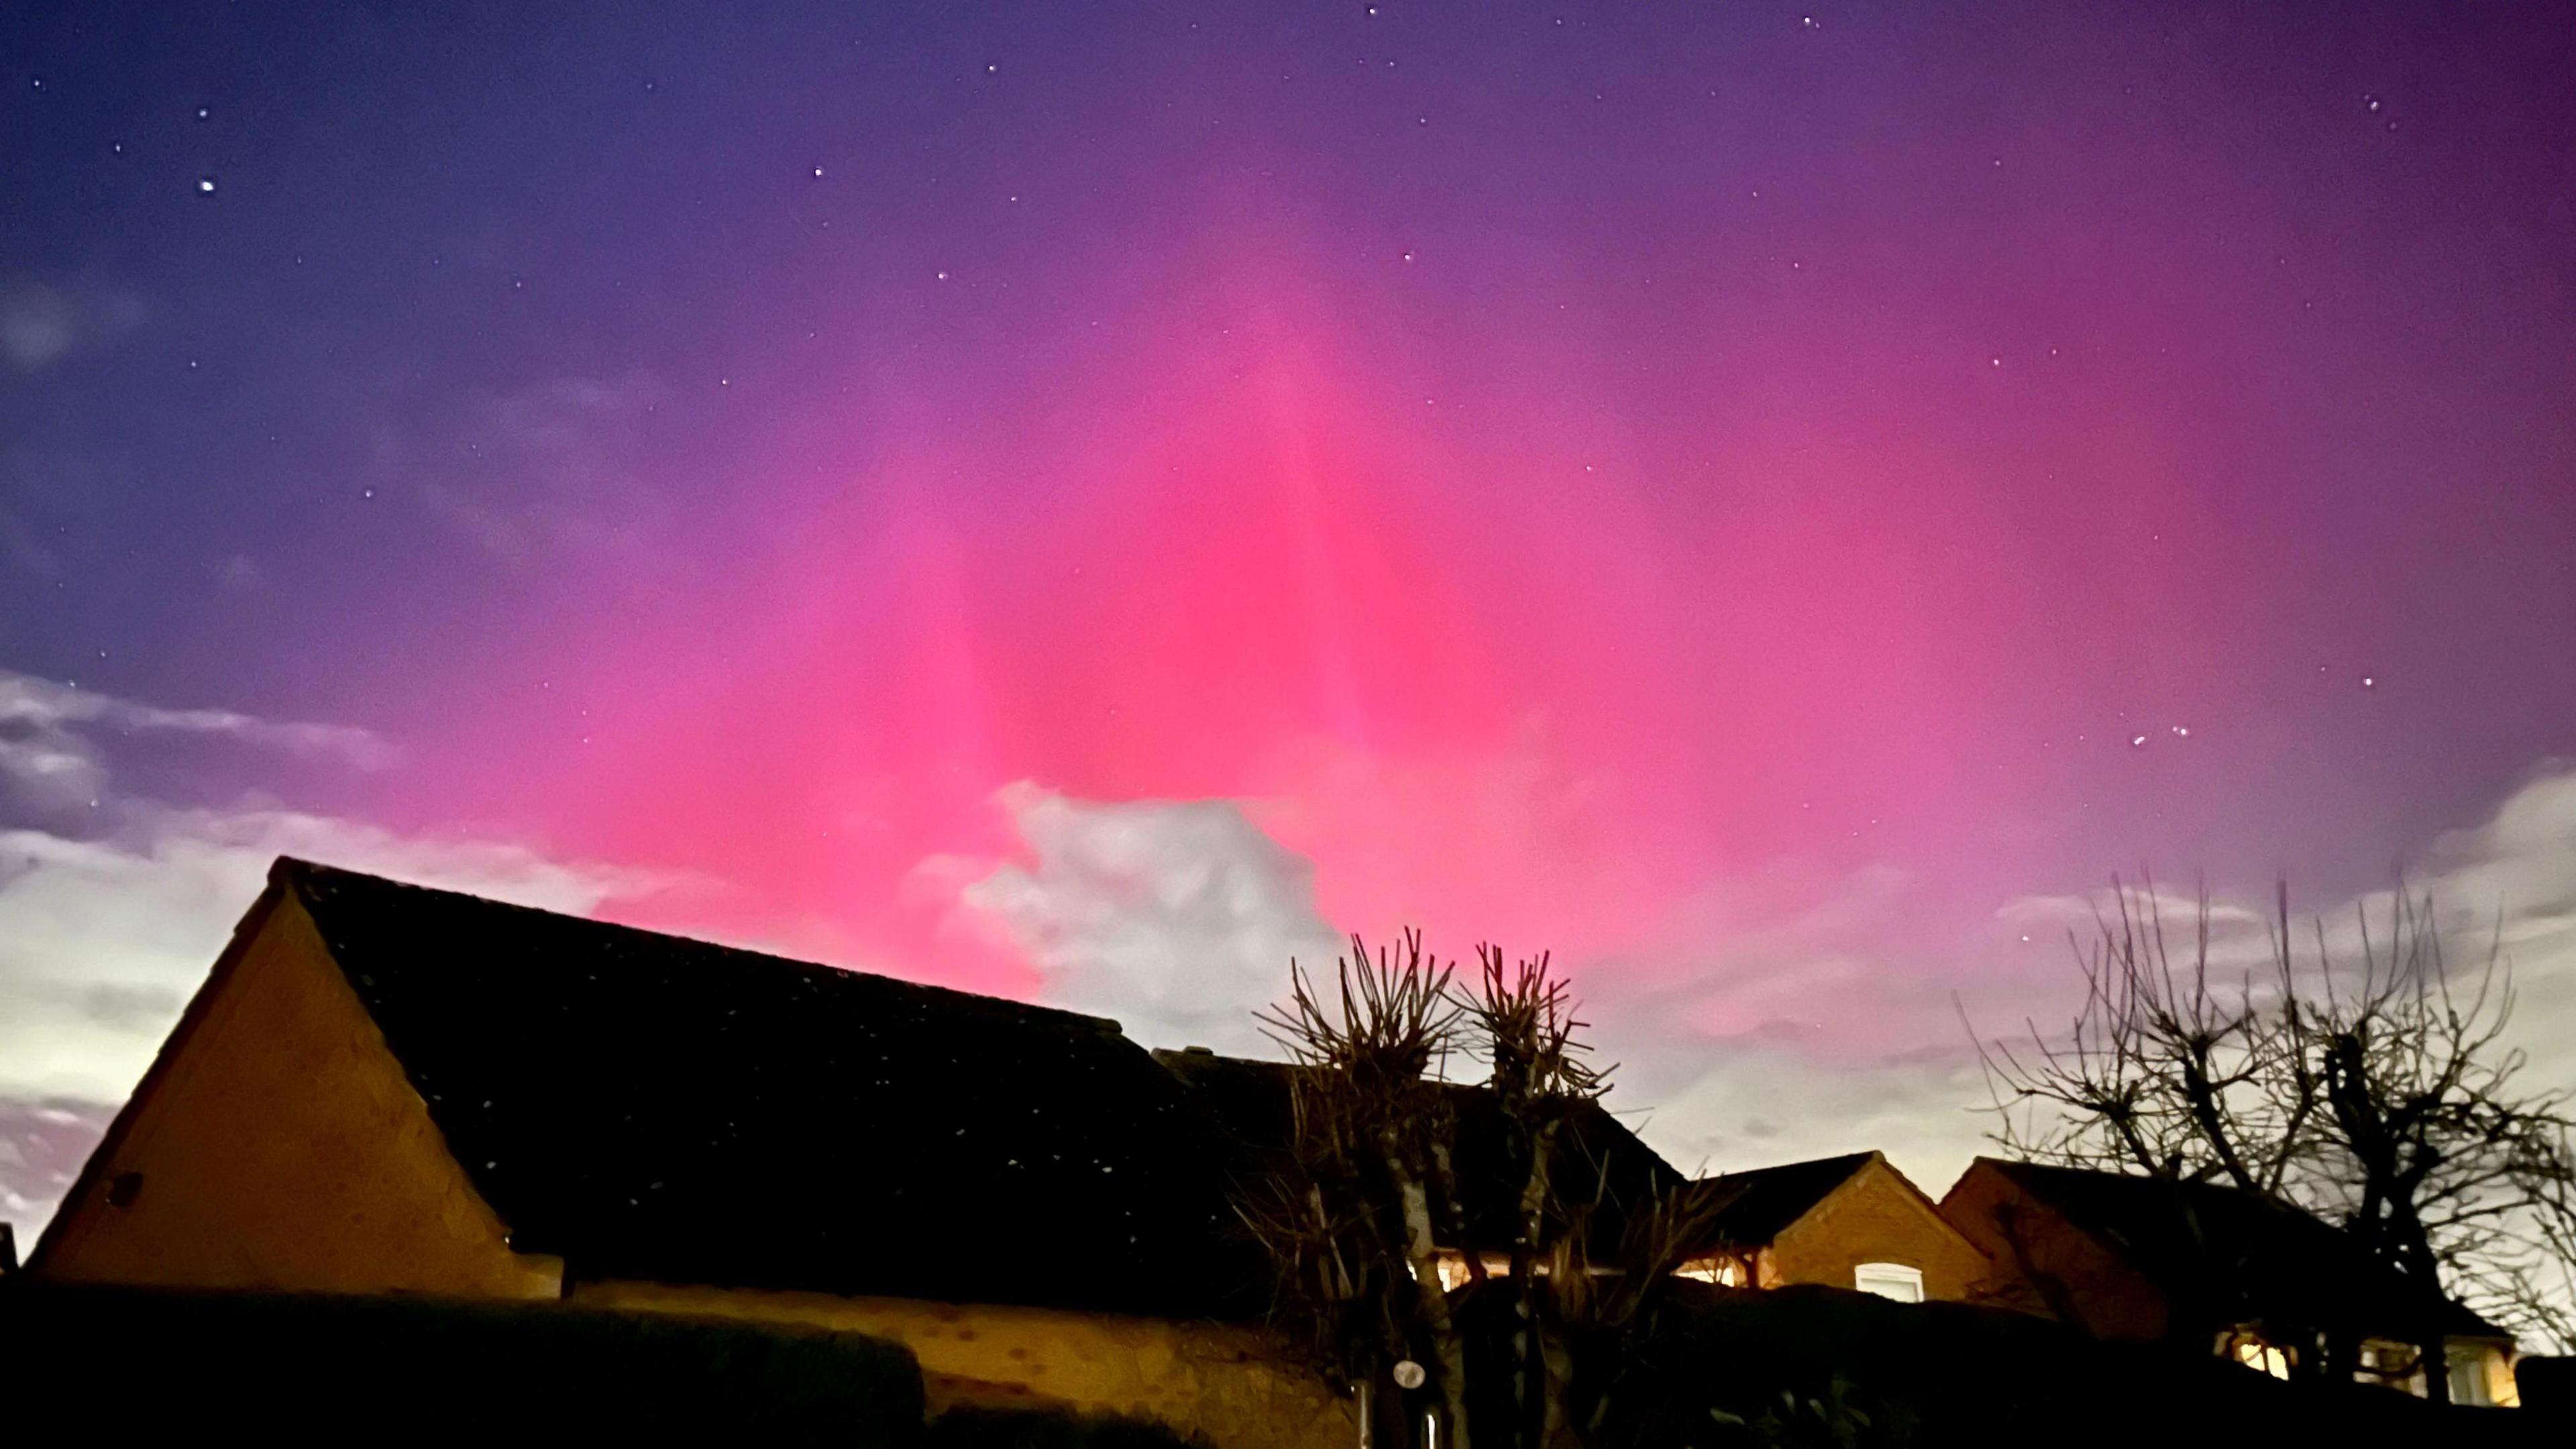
(1773,502)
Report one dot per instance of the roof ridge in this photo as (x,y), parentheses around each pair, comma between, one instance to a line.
(295,874)
(654,1107)
(1856,1159)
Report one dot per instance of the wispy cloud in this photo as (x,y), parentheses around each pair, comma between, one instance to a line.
(552,465)
(102,940)
(43,1142)
(1753,1104)
(44,704)
(2507,884)
(44,323)
(1775,1018)
(1179,919)
(50,746)
(107,926)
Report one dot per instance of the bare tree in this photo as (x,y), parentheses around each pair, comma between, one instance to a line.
(2170,1068)
(2428,1147)
(1524,1019)
(2369,1086)
(1350,1226)
(1359,1219)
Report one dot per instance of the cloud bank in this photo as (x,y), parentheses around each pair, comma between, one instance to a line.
(108,925)
(1774,1024)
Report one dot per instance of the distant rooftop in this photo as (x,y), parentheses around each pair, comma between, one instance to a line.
(1753,1207)
(1596,1153)
(2215,1245)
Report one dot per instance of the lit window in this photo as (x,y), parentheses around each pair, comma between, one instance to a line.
(2475,1375)
(1725,1272)
(2390,1363)
(1890,1280)
(2259,1356)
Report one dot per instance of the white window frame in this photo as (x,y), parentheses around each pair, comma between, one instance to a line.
(2470,1383)
(1890,1280)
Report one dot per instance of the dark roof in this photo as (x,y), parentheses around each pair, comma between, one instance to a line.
(646,1106)
(1750,1208)
(2221,1254)
(1253,1098)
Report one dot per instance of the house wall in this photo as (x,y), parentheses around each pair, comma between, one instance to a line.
(277,1144)
(2044,1264)
(1232,1386)
(1876,1216)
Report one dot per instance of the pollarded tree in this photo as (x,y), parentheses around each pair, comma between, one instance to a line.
(1350,1224)
(1375,1227)
(2371,1086)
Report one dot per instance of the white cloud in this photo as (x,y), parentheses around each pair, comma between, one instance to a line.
(106,930)
(2509,882)
(1780,1019)
(1177,917)
(2512,880)
(102,940)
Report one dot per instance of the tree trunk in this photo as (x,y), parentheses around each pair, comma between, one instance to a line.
(1537,1370)
(1422,1255)
(2436,1360)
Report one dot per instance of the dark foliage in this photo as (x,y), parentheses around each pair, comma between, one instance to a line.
(1721,1368)
(137,1366)
(982,1428)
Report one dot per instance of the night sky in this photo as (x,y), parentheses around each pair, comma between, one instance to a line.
(1772,502)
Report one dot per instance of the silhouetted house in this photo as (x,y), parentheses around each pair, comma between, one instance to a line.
(382,1088)
(1845,1222)
(2145,1258)
(1598,1161)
